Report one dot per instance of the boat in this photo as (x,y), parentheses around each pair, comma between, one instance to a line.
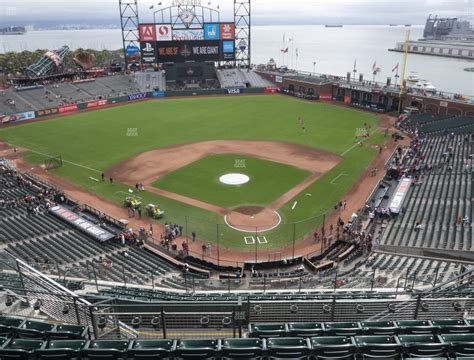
(393,25)
(471,69)
(424,86)
(413,78)
(407,25)
(334,26)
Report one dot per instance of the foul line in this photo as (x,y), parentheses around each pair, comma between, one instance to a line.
(337,177)
(66,161)
(357,143)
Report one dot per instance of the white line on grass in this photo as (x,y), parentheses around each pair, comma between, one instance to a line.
(66,161)
(356,144)
(337,177)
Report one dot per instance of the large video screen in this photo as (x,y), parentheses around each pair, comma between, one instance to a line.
(160,43)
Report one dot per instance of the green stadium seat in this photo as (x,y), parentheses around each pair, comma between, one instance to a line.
(379,327)
(343,328)
(305,329)
(3,341)
(333,347)
(288,348)
(20,349)
(151,349)
(459,345)
(66,331)
(415,327)
(246,348)
(267,330)
(61,350)
(8,324)
(197,349)
(422,345)
(452,326)
(34,330)
(378,347)
(105,349)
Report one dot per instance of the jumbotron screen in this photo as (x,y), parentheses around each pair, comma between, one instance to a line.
(160,43)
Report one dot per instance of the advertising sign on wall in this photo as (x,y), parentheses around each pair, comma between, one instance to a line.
(227,31)
(158,94)
(25,116)
(271,90)
(136,96)
(325,96)
(234,91)
(191,34)
(97,103)
(8,118)
(147,32)
(46,112)
(148,50)
(164,32)
(67,108)
(211,31)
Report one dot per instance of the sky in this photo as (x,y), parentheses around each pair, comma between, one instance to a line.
(264,12)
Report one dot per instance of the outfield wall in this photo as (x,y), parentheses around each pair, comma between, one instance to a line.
(101,103)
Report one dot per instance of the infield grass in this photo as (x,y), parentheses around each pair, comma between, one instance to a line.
(200,180)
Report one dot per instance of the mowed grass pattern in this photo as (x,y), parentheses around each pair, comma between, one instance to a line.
(200,180)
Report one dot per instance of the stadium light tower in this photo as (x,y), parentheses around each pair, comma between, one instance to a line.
(242,21)
(130,32)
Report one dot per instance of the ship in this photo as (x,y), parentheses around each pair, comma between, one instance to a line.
(393,25)
(13,30)
(334,26)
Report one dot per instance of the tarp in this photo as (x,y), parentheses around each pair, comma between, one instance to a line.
(399,196)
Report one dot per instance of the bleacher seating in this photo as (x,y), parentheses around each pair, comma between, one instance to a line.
(442,195)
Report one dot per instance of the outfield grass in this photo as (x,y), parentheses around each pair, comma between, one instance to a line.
(200,180)
(97,140)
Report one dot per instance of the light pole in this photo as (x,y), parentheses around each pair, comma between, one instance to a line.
(314,67)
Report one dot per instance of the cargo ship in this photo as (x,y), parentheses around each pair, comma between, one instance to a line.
(13,30)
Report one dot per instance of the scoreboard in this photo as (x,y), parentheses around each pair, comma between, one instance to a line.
(160,43)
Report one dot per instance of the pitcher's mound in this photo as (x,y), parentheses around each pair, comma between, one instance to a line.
(253,219)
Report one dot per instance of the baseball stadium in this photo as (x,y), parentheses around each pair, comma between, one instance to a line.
(185,203)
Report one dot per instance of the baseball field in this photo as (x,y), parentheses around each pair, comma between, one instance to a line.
(179,149)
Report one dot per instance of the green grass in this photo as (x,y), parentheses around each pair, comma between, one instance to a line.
(98,139)
(200,180)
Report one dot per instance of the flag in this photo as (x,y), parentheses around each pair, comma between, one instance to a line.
(355,64)
(284,51)
(151,7)
(395,68)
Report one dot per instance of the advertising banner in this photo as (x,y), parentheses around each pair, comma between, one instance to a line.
(271,90)
(191,34)
(67,109)
(279,79)
(8,118)
(95,104)
(158,94)
(25,116)
(147,32)
(227,31)
(164,32)
(228,49)
(86,226)
(212,31)
(132,50)
(46,112)
(234,91)
(148,51)
(324,96)
(182,51)
(137,96)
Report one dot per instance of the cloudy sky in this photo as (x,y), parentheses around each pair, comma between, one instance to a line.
(44,12)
